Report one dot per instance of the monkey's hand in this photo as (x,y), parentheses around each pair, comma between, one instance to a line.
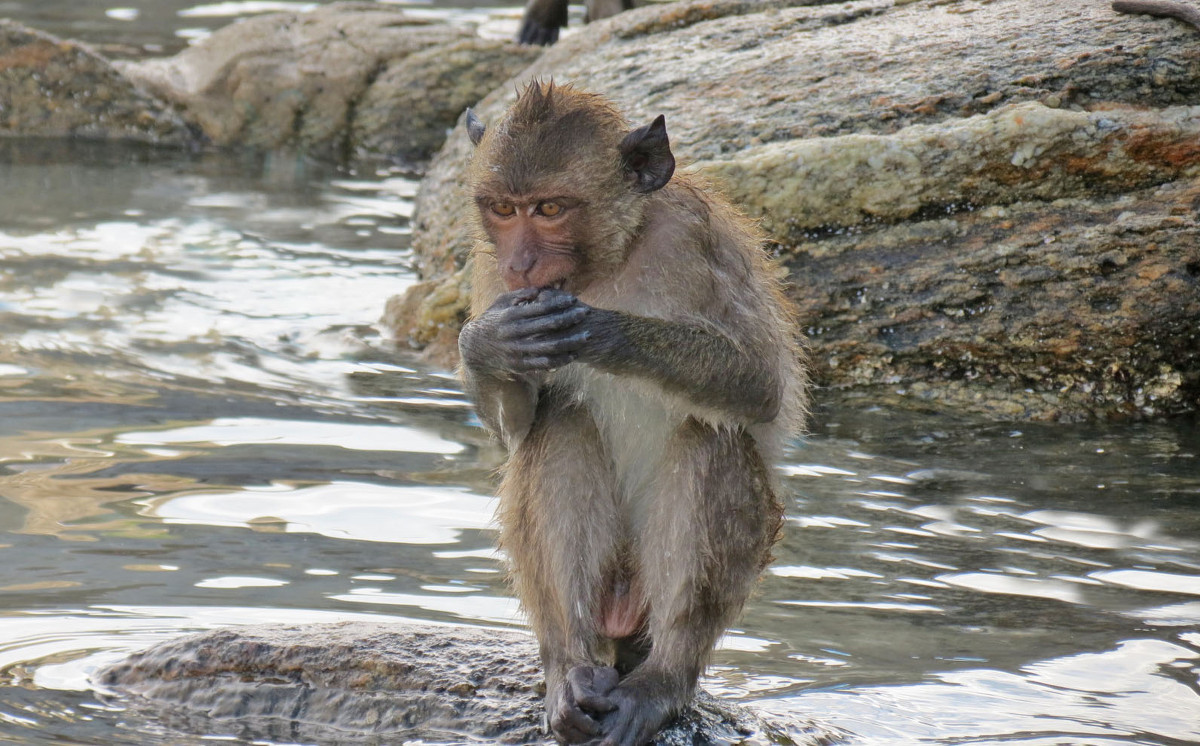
(525,331)
(641,709)
(575,709)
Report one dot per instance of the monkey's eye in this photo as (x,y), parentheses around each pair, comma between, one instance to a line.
(549,209)
(503,209)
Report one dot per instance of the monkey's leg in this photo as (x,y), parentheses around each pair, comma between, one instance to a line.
(542,21)
(560,526)
(707,537)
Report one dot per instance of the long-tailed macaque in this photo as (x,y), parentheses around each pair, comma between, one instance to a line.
(544,18)
(630,344)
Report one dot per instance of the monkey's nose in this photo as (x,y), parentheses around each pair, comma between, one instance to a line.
(520,268)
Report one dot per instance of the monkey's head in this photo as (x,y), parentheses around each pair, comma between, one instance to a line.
(560,183)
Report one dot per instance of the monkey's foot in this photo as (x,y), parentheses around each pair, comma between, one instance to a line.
(537,33)
(640,712)
(575,710)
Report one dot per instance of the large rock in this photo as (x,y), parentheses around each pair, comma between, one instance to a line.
(343,683)
(344,80)
(55,88)
(982,204)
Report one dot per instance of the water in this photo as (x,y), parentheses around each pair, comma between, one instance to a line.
(200,425)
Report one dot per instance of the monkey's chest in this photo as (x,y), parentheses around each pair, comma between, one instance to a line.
(635,422)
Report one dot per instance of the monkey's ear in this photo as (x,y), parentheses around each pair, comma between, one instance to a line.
(646,156)
(475,128)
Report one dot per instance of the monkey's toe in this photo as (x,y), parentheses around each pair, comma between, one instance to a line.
(590,686)
(635,720)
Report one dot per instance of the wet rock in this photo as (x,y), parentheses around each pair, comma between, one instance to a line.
(348,79)
(356,681)
(981,204)
(55,88)
(408,108)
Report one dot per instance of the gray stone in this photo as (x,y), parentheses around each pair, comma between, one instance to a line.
(344,80)
(357,681)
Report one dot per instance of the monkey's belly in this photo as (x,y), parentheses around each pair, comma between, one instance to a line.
(622,610)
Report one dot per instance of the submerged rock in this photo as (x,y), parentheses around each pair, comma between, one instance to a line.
(55,88)
(357,681)
(982,204)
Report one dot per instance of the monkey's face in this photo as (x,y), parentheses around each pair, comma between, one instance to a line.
(559,183)
(535,238)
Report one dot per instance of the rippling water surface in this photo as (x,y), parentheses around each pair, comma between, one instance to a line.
(200,425)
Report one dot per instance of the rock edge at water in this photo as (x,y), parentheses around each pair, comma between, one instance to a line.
(356,681)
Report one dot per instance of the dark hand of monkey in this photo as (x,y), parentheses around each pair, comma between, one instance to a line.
(582,701)
(640,711)
(525,331)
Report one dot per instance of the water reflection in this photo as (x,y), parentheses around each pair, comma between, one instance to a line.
(348,510)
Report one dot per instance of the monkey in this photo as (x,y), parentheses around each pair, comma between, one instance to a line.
(630,344)
(543,19)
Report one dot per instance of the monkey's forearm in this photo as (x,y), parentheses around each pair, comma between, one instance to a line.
(504,398)
(686,359)
(505,405)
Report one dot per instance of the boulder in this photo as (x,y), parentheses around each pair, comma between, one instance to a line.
(981,205)
(55,88)
(343,81)
(358,681)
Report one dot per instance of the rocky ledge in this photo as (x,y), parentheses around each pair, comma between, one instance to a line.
(984,205)
(360,682)
(987,205)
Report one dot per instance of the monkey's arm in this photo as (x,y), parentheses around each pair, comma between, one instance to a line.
(696,361)
(543,19)
(504,349)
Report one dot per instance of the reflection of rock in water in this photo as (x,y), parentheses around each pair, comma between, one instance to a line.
(356,681)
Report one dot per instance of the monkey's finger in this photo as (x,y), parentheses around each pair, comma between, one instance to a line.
(548,294)
(573,725)
(596,704)
(553,322)
(514,297)
(551,345)
(590,686)
(538,307)
(545,362)
(580,729)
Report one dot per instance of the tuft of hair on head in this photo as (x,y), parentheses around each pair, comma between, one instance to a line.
(546,102)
